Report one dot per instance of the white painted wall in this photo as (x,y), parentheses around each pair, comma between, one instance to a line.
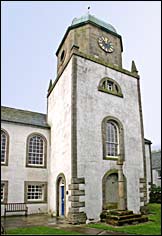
(16,172)
(92,107)
(156,178)
(59,118)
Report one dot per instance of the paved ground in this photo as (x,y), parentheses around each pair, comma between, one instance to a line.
(45,220)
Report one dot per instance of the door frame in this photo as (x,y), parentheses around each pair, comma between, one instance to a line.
(60,177)
(104,179)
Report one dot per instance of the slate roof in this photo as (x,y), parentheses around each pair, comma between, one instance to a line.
(156,160)
(9,114)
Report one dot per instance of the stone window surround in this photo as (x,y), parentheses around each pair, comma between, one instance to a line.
(114,91)
(43,184)
(45,152)
(121,138)
(5,183)
(7,148)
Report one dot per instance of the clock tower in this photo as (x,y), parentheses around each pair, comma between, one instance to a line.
(97,158)
(92,37)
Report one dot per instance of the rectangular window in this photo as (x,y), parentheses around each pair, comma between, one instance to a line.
(4,191)
(35,192)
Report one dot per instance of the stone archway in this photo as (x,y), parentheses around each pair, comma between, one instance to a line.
(61,195)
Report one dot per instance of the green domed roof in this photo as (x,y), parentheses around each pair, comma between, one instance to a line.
(93,19)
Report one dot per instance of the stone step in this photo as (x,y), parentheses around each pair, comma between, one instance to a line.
(127,221)
(120,212)
(123,217)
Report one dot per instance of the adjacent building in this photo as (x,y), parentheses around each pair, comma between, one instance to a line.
(156,168)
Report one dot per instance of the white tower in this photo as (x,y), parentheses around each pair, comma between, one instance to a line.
(94,110)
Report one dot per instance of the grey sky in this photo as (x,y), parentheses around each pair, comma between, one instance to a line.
(31,33)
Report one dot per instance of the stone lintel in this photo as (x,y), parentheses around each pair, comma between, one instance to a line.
(73,198)
(78,180)
(77,192)
(77,218)
(73,186)
(143,199)
(77,204)
(142,190)
(73,210)
(142,180)
(145,194)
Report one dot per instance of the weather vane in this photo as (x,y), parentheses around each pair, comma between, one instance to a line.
(88,9)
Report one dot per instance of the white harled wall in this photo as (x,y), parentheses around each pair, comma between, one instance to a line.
(59,119)
(16,173)
(92,107)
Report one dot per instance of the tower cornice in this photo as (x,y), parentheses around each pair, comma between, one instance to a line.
(74,51)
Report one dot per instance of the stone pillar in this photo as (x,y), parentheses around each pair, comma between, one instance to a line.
(121,187)
(76,213)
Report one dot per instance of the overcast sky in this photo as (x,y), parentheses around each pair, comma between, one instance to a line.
(31,33)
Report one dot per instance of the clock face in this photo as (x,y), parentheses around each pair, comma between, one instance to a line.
(105,44)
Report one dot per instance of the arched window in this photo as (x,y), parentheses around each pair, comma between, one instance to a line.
(108,85)
(36,151)
(112,138)
(4,147)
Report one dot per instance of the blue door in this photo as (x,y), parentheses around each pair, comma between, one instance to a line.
(62,200)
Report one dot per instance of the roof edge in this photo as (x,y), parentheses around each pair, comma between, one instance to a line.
(18,109)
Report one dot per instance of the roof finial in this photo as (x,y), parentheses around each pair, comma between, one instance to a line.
(134,68)
(88,9)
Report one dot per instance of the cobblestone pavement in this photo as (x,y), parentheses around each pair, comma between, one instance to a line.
(45,220)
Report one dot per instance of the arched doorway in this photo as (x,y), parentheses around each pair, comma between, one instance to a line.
(110,190)
(61,195)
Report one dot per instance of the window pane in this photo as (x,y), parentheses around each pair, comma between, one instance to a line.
(109,85)
(3,146)
(111,139)
(36,151)
(35,192)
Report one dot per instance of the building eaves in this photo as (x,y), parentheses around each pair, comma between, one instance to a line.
(147,141)
(25,117)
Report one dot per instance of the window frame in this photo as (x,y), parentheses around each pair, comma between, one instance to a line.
(110,142)
(35,183)
(44,165)
(104,87)
(5,163)
(5,184)
(120,134)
